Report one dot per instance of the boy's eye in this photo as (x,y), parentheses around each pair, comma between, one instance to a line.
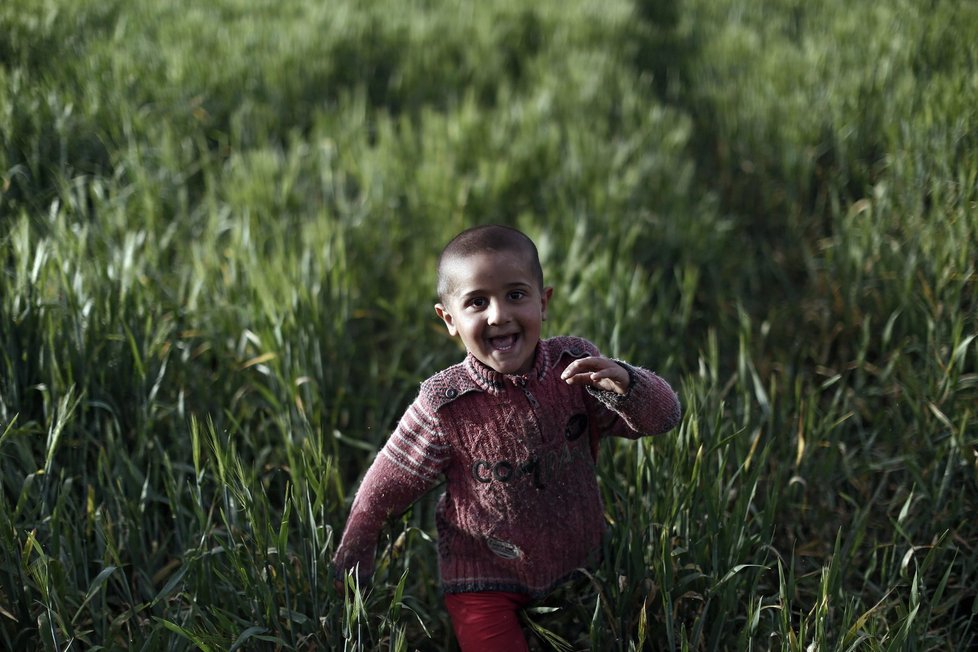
(516,295)
(477,302)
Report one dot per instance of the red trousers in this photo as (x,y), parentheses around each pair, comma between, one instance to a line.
(487,621)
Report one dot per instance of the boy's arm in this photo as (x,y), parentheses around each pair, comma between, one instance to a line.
(638,401)
(385,491)
(409,464)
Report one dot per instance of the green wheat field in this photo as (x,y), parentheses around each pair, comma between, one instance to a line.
(218,227)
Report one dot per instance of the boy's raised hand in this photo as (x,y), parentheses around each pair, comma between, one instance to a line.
(598,371)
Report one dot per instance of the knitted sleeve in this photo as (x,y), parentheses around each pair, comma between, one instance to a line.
(649,407)
(409,464)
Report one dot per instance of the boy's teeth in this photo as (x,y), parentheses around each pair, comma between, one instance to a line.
(503,342)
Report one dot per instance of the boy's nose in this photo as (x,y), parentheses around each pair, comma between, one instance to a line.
(497,313)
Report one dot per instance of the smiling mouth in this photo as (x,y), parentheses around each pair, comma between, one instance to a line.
(504,342)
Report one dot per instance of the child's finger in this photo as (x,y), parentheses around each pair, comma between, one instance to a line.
(589,364)
(595,378)
(596,371)
(578,376)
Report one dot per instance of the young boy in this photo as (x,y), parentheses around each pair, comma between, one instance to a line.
(514,430)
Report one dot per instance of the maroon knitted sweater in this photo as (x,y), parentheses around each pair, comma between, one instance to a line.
(521,510)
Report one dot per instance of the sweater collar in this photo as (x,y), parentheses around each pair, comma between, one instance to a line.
(495,382)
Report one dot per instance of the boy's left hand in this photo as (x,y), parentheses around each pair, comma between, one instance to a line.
(597,371)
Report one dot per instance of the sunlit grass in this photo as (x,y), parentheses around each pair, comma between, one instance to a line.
(217,231)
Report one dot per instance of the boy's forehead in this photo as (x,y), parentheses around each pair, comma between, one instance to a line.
(506,263)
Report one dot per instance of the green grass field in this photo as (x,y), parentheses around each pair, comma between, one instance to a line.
(218,228)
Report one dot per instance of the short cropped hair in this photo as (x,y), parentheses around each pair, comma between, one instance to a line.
(487,237)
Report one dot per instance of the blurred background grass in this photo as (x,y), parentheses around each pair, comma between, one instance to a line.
(218,226)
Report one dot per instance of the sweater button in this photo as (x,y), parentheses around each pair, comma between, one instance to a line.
(451,392)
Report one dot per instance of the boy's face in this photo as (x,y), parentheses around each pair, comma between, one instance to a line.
(497,308)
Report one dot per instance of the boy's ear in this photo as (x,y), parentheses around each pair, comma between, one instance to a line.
(446,317)
(545,301)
